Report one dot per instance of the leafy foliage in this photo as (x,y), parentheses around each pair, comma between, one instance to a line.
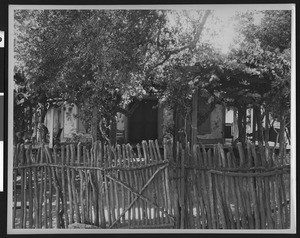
(264,62)
(95,58)
(274,29)
(101,59)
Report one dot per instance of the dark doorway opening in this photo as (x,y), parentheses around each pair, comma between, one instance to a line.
(143,121)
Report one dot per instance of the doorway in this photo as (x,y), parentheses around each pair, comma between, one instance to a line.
(143,121)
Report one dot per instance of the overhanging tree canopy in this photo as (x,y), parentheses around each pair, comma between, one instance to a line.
(95,58)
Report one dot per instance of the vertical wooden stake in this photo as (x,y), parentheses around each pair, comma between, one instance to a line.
(71,217)
(63,162)
(73,184)
(182,205)
(81,183)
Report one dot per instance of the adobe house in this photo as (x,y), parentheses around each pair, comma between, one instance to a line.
(148,118)
(63,122)
(146,122)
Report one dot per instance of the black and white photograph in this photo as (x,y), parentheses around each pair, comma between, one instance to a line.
(151,118)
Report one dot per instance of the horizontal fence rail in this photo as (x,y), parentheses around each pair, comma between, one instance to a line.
(149,186)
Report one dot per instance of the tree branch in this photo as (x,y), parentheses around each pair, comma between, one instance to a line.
(191,45)
(126,112)
(123,111)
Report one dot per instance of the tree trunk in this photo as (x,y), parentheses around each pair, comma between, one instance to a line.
(43,113)
(235,125)
(186,130)
(259,124)
(30,129)
(242,124)
(254,123)
(94,124)
(267,128)
(43,129)
(179,128)
(175,130)
(188,127)
(282,136)
(113,131)
(175,127)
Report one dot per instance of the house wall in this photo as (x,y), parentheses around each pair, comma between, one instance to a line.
(120,127)
(165,120)
(70,121)
(217,123)
(120,122)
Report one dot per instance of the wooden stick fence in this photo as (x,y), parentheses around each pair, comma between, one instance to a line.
(100,185)
(227,190)
(124,187)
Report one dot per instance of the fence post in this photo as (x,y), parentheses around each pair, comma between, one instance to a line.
(253,186)
(245,188)
(225,195)
(58,196)
(99,162)
(71,217)
(182,190)
(45,186)
(259,183)
(73,184)
(79,147)
(168,172)
(63,184)
(15,171)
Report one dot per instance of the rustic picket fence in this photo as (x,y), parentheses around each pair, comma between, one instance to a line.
(141,187)
(243,189)
(104,186)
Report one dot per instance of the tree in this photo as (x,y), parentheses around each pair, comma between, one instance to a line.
(274,29)
(98,59)
(86,57)
(255,75)
(271,59)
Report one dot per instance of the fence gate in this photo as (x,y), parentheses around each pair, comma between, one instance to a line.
(138,184)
